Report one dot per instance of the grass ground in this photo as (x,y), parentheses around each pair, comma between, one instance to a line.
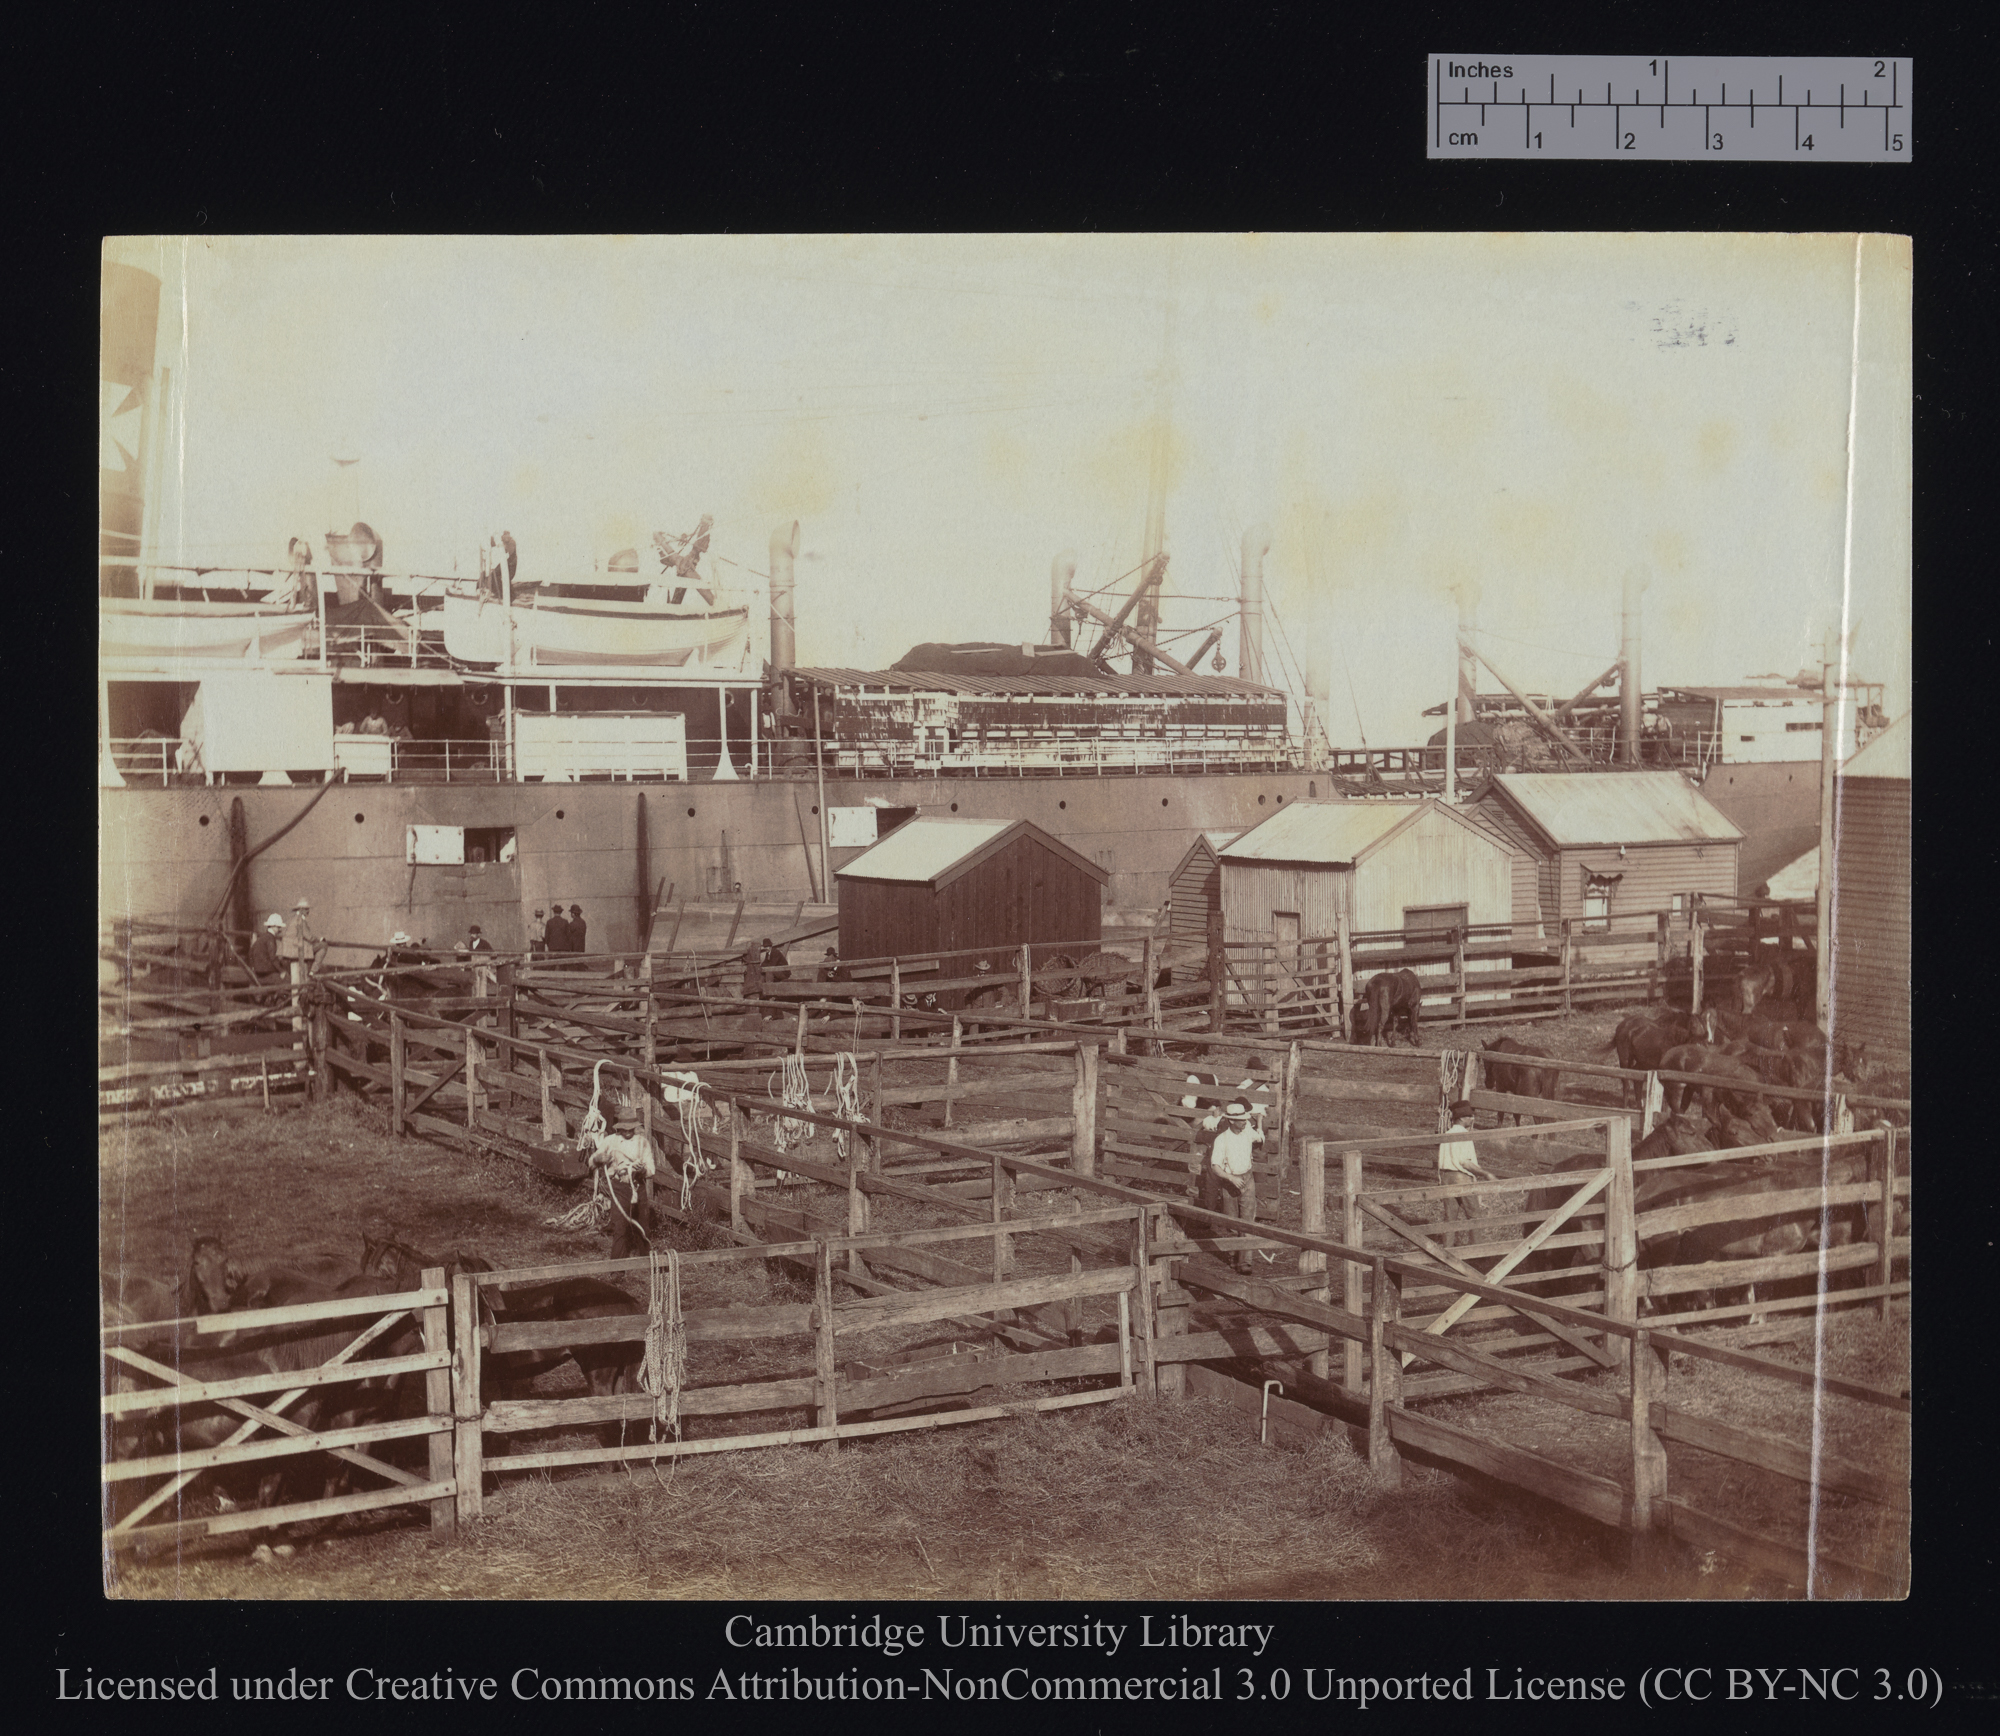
(1132,1500)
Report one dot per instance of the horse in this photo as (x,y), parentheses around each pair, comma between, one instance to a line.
(1643,1038)
(1710,1063)
(1391,997)
(1782,976)
(608,1369)
(1518,1079)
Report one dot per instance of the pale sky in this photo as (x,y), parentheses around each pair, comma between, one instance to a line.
(1528,415)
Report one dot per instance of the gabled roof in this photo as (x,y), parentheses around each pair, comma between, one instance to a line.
(1798,878)
(1337,833)
(1579,808)
(1887,756)
(1214,842)
(933,850)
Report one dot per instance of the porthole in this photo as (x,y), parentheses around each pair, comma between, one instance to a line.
(203,820)
(815,807)
(1260,801)
(1062,804)
(691,813)
(1163,801)
(559,813)
(1281,801)
(954,807)
(360,818)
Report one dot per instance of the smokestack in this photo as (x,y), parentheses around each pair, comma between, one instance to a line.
(1631,697)
(1250,648)
(784,630)
(1061,572)
(1464,706)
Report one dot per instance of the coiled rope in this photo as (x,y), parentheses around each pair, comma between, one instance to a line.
(796,1094)
(683,1090)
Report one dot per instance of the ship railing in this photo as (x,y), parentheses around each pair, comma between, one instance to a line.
(384,648)
(1080,756)
(154,759)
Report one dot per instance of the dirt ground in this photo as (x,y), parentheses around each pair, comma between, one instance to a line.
(951,1513)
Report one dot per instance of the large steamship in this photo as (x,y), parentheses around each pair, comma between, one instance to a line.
(422,750)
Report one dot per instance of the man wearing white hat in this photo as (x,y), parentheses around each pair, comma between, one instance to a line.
(299,943)
(1228,1183)
(264,961)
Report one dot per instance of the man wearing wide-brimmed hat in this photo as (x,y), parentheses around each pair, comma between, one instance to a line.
(264,960)
(1228,1183)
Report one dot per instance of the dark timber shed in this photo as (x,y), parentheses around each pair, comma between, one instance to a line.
(949,885)
(1871,902)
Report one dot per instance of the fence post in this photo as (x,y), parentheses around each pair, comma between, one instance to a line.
(1352,1296)
(1649,1452)
(827,1402)
(1656,986)
(1003,1249)
(1568,947)
(1312,1220)
(475,1093)
(1142,1297)
(1385,1377)
(876,1155)
(1458,974)
(1027,981)
(399,1084)
(465,1443)
(951,1070)
(1083,1106)
(1344,943)
(1154,1017)
(1697,956)
(649,1052)
(554,1124)
(1267,986)
(1218,971)
(1288,1105)
(1170,1305)
(895,1000)
(857,1211)
(741,1181)
(1621,1235)
(436,1326)
(1885,1259)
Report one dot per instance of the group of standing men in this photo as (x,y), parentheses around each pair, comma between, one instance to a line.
(559,933)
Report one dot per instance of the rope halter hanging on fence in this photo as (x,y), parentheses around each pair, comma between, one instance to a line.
(1458,1078)
(844,1087)
(797,1094)
(683,1091)
(663,1366)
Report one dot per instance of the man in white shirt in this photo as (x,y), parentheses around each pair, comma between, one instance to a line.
(1458,1163)
(1228,1183)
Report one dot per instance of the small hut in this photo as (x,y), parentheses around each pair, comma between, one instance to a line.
(1194,894)
(939,884)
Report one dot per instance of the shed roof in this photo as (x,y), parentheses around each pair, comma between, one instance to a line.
(1576,808)
(1798,878)
(1215,842)
(1336,833)
(936,849)
(1887,756)
(1162,685)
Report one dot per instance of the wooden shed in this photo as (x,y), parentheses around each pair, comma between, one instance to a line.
(1410,867)
(940,884)
(1194,893)
(1871,906)
(1607,844)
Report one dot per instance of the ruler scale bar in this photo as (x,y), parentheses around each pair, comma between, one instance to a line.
(1705,123)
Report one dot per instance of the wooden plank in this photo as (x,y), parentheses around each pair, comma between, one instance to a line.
(285,1446)
(1450,1354)
(1690,1525)
(1583,1492)
(707,1326)
(1833,1474)
(246,1323)
(914,1309)
(1268,1299)
(1750,1208)
(259,1518)
(207,1392)
(1703,1351)
(1720,1274)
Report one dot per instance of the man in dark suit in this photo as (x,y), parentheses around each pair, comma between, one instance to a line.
(557,937)
(578,929)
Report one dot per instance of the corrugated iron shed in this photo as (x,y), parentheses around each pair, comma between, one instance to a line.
(1887,756)
(1164,685)
(1581,808)
(1335,833)
(932,850)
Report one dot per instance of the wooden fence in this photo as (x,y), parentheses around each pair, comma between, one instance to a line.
(1091,1271)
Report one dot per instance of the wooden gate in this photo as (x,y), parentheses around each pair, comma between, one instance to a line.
(173,1364)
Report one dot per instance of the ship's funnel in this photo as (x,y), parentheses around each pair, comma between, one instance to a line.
(1062,571)
(784,624)
(1250,651)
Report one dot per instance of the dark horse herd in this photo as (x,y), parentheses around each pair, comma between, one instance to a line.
(216,1284)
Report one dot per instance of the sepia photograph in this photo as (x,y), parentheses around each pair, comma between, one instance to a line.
(1197,917)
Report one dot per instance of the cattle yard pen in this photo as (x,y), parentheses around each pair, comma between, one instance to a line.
(1019,1234)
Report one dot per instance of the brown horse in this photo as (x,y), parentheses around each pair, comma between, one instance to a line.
(1392,997)
(1518,1078)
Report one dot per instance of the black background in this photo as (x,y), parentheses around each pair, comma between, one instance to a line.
(1119,117)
